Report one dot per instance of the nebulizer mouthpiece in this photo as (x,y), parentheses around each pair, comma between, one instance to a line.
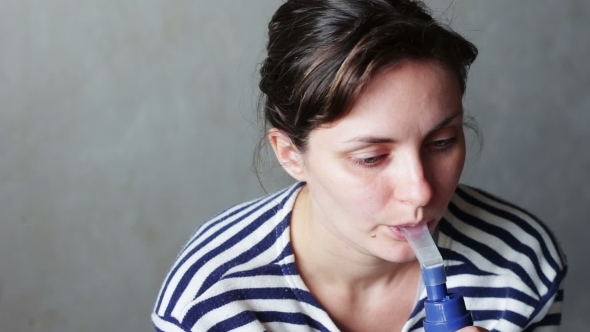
(445,312)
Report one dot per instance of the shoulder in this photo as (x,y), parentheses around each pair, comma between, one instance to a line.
(475,216)
(500,255)
(224,254)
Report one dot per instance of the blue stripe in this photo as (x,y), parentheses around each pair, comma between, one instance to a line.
(466,269)
(469,269)
(248,255)
(504,235)
(198,310)
(230,213)
(449,255)
(246,317)
(266,270)
(489,253)
(550,234)
(188,275)
(192,270)
(290,269)
(496,292)
(205,242)
(524,225)
(220,217)
(255,205)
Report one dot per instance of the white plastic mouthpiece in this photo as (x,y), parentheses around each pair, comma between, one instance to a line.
(423,245)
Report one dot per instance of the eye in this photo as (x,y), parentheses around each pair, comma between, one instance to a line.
(444,143)
(369,161)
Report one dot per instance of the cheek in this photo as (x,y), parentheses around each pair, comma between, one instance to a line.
(367,200)
(345,190)
(367,203)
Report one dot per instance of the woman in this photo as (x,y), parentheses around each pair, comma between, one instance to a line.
(363,105)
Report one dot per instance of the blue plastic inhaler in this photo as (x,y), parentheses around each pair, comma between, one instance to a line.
(445,312)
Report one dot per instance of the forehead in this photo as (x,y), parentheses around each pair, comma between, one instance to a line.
(413,96)
(411,79)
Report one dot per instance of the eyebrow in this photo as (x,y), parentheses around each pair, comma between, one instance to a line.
(376,139)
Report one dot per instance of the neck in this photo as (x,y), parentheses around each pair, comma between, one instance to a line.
(323,258)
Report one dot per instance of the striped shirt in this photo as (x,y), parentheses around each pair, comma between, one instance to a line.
(237,272)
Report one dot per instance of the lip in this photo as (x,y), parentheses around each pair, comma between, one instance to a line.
(396,231)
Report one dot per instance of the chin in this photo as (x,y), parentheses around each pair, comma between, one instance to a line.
(402,253)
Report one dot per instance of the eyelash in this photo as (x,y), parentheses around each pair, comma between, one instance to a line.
(444,144)
(439,145)
(363,161)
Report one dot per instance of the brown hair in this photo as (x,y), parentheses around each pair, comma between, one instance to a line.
(322,53)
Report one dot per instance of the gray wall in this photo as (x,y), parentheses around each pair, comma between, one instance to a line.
(124,124)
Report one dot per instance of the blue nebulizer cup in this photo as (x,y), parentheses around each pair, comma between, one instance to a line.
(445,312)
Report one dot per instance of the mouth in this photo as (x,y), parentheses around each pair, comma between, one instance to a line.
(396,231)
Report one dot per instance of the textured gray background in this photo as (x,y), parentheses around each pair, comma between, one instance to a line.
(124,124)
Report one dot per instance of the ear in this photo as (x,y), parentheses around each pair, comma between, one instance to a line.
(287,153)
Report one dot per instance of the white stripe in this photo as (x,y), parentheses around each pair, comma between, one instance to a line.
(228,254)
(252,326)
(493,281)
(209,266)
(253,282)
(546,238)
(452,262)
(224,312)
(290,259)
(500,325)
(263,204)
(492,303)
(224,214)
(199,278)
(524,237)
(502,249)
(262,259)
(267,281)
(478,260)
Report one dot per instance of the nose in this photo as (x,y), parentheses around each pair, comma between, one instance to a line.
(413,186)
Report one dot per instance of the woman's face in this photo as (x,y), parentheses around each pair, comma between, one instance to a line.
(394,160)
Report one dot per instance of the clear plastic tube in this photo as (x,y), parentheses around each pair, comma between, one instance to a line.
(423,245)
